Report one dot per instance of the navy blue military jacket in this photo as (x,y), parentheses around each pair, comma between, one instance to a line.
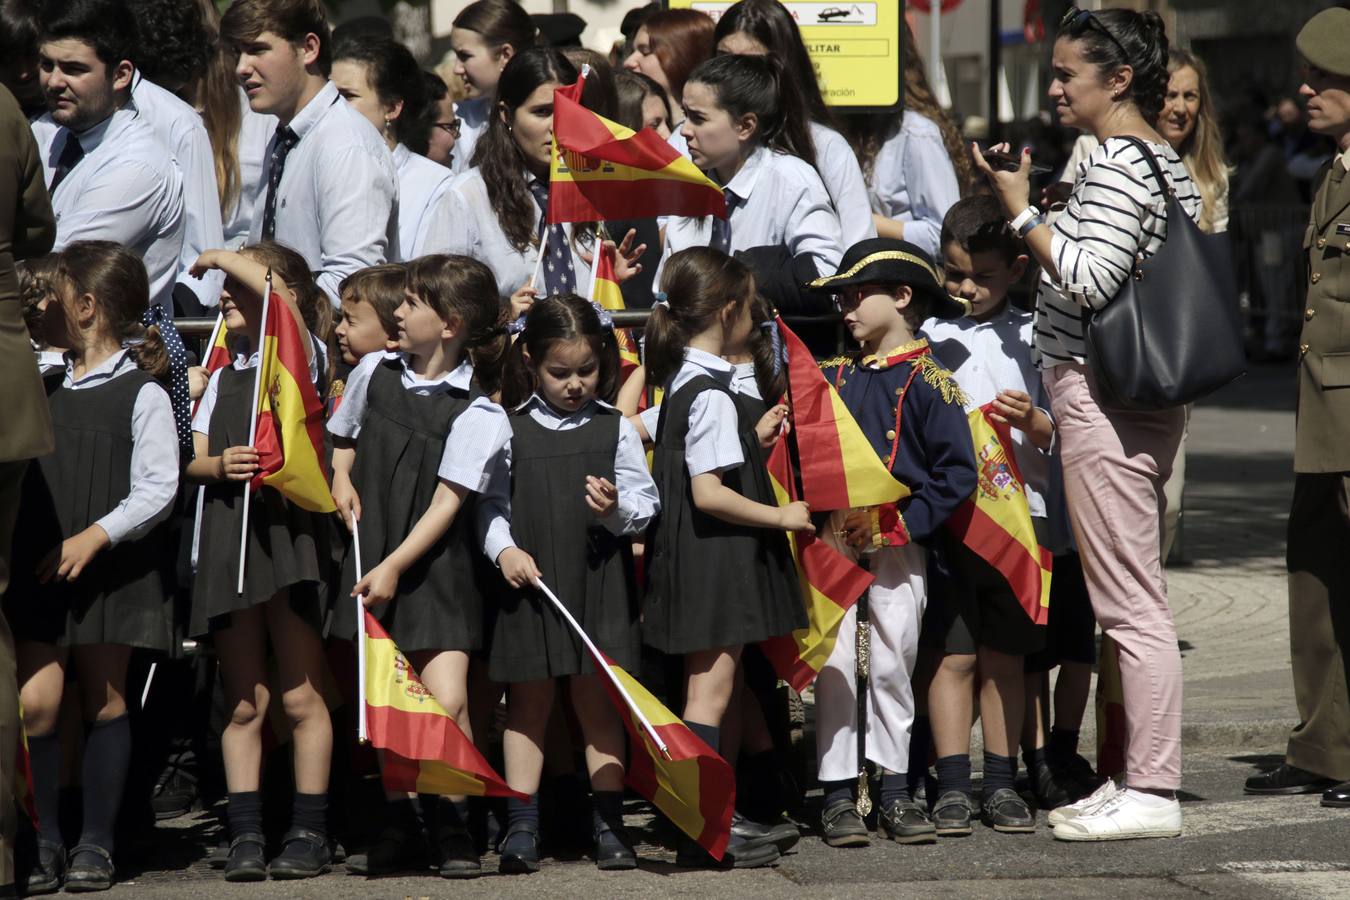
(911,411)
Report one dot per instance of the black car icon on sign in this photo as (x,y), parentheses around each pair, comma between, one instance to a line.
(837,12)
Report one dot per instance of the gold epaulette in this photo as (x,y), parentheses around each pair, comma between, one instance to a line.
(838,361)
(939,379)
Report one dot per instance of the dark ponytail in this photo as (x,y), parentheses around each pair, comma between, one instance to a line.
(1113,38)
(565,317)
(698,282)
(460,286)
(117,279)
(772,26)
(758,84)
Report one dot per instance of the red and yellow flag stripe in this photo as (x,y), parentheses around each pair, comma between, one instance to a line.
(289,435)
(996,522)
(602,170)
(693,786)
(608,294)
(425,750)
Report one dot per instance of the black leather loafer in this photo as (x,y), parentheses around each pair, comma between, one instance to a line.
(245,860)
(1337,797)
(520,850)
(1287,779)
(1005,810)
(91,869)
(613,850)
(841,826)
(304,854)
(952,813)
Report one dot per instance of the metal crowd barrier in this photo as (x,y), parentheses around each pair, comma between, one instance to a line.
(1272,271)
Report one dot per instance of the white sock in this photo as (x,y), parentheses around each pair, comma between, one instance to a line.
(1148,799)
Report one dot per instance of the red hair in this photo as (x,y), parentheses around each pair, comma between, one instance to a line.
(681,39)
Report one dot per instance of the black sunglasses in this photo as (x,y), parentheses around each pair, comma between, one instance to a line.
(1076,17)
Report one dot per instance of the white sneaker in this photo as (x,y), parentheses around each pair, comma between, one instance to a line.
(1123,817)
(1089,803)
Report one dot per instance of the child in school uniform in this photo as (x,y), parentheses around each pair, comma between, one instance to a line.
(745,134)
(366,322)
(575,492)
(720,572)
(415,442)
(286,564)
(94,564)
(909,408)
(974,621)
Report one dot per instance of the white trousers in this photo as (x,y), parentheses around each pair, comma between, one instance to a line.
(897,600)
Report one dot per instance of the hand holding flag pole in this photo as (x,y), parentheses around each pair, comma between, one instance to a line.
(253,429)
(595,653)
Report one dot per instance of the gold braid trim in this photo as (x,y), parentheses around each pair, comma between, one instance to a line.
(878,257)
(939,379)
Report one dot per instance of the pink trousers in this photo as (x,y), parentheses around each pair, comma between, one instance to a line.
(1115,464)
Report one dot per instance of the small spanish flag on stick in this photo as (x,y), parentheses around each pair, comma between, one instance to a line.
(606,292)
(217,350)
(996,522)
(287,425)
(831,584)
(667,763)
(424,749)
(602,170)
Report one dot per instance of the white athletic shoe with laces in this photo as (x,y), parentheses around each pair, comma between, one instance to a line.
(1093,800)
(1123,817)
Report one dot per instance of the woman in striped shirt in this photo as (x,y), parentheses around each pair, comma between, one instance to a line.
(1110,71)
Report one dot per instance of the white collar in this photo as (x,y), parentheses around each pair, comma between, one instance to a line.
(715,365)
(310,114)
(742,184)
(102,370)
(460,378)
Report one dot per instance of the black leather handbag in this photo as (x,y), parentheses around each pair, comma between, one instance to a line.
(1171,334)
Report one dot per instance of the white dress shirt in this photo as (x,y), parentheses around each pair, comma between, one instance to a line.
(639,500)
(154,452)
(422,188)
(179,127)
(466,224)
(743,382)
(337,203)
(255,133)
(126,189)
(779,200)
(913,181)
(473,121)
(478,436)
(993,356)
(837,165)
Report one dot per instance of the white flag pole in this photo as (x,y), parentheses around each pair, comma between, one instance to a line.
(614,679)
(360,641)
(253,428)
(149,679)
(211,343)
(595,263)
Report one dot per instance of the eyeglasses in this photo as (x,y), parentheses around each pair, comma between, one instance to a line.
(450,128)
(1076,17)
(852,296)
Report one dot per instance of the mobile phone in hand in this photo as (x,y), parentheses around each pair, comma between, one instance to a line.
(1006,162)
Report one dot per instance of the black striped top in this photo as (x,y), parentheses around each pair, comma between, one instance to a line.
(1117,211)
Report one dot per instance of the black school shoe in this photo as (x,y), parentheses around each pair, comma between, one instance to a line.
(841,826)
(1004,810)
(399,847)
(245,860)
(784,834)
(613,849)
(749,847)
(1287,779)
(456,855)
(1075,774)
(1337,797)
(91,869)
(46,872)
(1050,789)
(906,822)
(519,849)
(304,854)
(952,814)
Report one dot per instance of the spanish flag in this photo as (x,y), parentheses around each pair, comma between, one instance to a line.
(602,170)
(831,584)
(424,750)
(838,467)
(996,522)
(217,351)
(605,291)
(289,437)
(688,782)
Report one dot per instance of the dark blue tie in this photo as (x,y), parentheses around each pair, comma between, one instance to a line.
(71,154)
(559,275)
(285,140)
(178,376)
(721,228)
